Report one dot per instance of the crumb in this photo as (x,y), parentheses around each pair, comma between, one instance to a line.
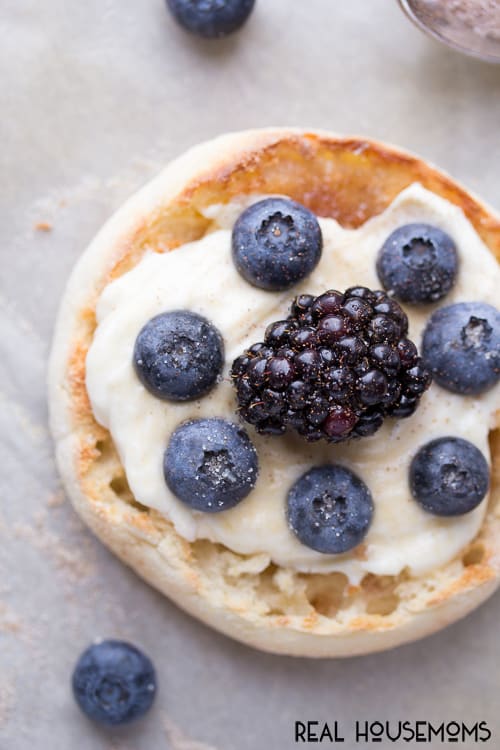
(43,226)
(360,552)
(9,620)
(70,560)
(177,740)
(56,499)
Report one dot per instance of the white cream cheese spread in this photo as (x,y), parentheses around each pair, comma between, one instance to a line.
(201,277)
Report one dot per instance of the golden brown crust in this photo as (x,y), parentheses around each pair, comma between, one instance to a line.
(351,180)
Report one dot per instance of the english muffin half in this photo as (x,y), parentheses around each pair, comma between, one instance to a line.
(250,596)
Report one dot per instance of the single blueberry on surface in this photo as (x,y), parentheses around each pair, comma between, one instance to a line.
(276,243)
(211,19)
(178,355)
(449,476)
(210,464)
(114,683)
(330,509)
(418,263)
(461,346)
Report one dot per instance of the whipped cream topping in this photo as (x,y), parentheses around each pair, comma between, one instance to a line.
(200,276)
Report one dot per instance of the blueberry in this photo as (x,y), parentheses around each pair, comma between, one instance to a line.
(418,263)
(276,243)
(330,509)
(461,346)
(449,476)
(178,355)
(211,18)
(114,683)
(210,464)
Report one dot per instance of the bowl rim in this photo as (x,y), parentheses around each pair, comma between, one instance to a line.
(433,34)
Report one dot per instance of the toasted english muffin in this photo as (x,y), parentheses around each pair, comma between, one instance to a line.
(270,607)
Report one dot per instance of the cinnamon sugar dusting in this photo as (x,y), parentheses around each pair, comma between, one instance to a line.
(74,563)
(10,622)
(7,696)
(43,226)
(482,17)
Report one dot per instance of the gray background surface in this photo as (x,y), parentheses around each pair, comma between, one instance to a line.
(94,97)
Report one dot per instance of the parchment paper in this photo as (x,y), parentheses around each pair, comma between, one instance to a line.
(95,97)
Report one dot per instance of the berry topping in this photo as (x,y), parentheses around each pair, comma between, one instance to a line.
(276,243)
(333,370)
(114,683)
(211,18)
(178,355)
(330,509)
(418,263)
(461,345)
(210,464)
(449,476)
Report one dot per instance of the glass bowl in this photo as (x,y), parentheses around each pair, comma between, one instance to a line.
(469,26)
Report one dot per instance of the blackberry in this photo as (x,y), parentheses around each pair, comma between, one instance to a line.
(333,370)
